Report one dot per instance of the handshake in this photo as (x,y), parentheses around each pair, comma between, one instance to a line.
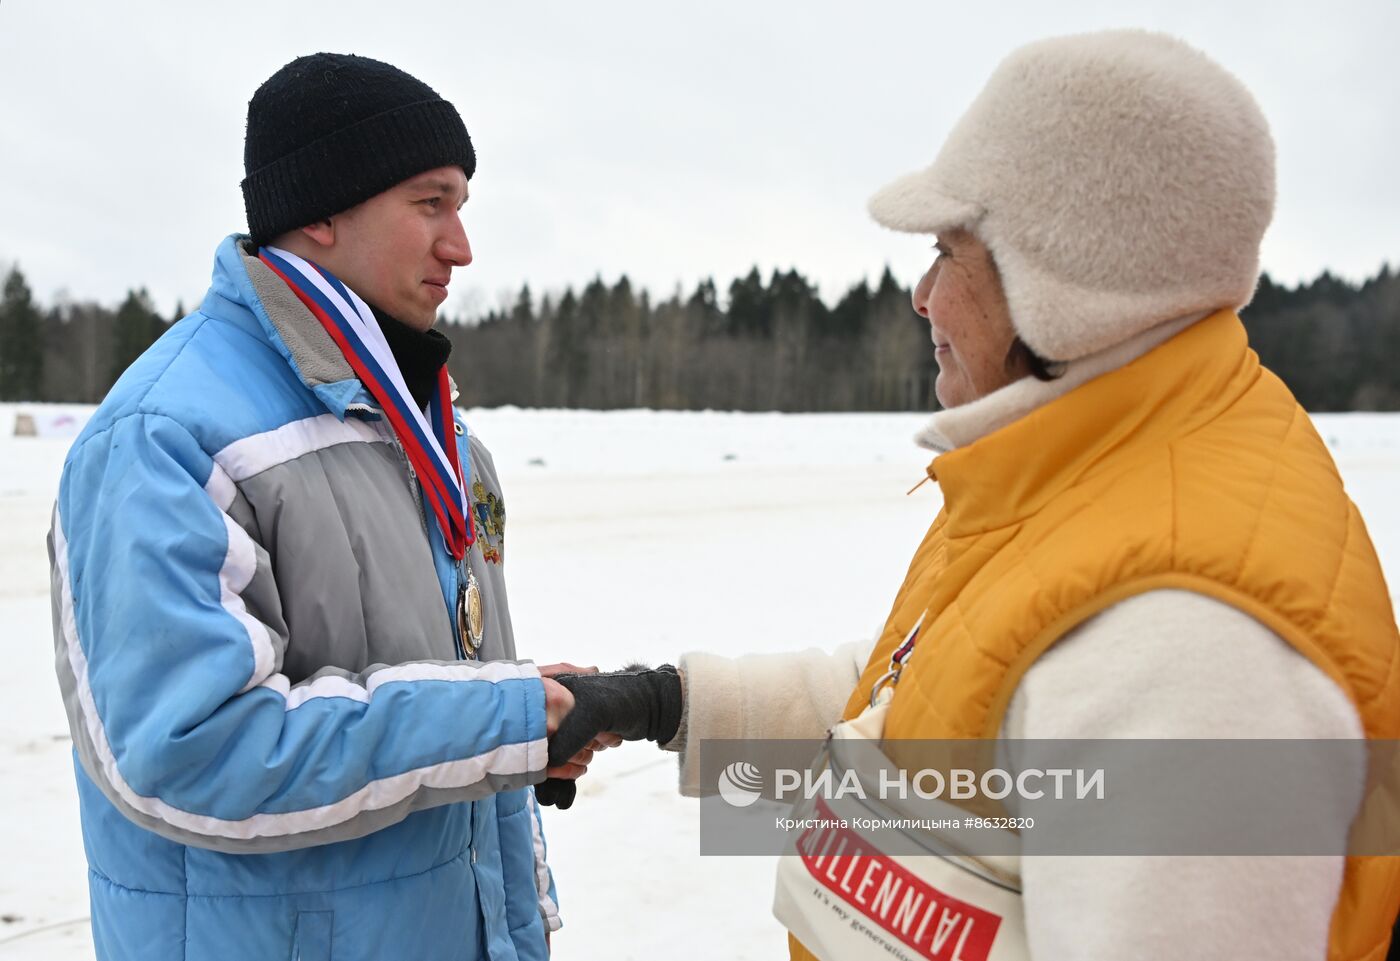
(588,711)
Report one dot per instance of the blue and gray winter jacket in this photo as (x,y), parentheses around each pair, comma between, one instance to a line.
(280,752)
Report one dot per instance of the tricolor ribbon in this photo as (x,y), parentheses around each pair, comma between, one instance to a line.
(428,438)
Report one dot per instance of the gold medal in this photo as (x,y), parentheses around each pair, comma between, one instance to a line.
(471,619)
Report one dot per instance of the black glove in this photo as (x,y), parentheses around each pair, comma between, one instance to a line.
(635,703)
(558,791)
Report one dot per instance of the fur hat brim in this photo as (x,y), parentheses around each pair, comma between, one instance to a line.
(915,204)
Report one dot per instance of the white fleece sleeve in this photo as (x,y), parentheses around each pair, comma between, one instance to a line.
(794,695)
(1173,664)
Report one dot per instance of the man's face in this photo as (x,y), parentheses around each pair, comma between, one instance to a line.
(397,249)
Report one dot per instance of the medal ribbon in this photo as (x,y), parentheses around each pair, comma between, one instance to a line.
(901,653)
(428,439)
(897,660)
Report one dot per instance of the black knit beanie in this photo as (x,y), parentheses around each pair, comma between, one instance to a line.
(332,130)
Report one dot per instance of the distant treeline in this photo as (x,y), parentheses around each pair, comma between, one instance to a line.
(763,345)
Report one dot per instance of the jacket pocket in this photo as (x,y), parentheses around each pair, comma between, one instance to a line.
(312,941)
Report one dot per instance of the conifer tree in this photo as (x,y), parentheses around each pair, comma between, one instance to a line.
(136,328)
(21,341)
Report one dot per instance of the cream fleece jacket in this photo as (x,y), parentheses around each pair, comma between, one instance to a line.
(1165,664)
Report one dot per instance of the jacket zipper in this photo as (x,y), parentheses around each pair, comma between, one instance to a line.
(457,643)
(403,458)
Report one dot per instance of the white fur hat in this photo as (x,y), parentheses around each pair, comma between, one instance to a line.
(1120,179)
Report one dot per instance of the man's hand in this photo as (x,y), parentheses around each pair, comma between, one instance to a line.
(577,766)
(558,701)
(635,704)
(559,788)
(564,667)
(601,742)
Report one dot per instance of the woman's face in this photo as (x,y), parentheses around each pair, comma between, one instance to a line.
(962,299)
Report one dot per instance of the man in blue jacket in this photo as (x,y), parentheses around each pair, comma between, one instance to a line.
(282,634)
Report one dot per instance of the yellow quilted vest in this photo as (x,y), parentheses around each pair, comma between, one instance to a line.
(1192,467)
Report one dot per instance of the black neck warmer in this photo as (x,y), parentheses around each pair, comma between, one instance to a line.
(420,354)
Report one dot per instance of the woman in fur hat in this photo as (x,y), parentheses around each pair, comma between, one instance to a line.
(1142,535)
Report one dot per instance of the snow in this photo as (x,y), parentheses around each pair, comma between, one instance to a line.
(630,535)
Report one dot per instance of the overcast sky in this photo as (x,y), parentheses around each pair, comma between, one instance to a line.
(663,140)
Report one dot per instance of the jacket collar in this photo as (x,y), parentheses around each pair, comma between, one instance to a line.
(244,285)
(959,426)
(1012,472)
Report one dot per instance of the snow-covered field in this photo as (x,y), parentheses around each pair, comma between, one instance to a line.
(631,535)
